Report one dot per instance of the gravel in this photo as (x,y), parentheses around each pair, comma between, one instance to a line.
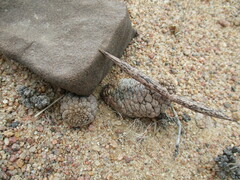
(179,39)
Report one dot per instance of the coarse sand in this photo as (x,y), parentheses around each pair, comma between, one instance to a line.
(196,42)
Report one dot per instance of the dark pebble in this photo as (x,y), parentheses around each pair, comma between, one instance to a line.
(186,117)
(14,124)
(26,103)
(227,105)
(228,152)
(137,63)
(25,92)
(233,89)
(235,149)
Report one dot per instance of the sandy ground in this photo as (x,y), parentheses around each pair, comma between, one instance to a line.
(195,42)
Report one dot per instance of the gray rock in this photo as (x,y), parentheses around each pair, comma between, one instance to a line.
(59,40)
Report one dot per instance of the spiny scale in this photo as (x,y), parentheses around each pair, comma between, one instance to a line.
(78,111)
(132,99)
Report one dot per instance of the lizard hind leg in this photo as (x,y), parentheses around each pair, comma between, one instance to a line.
(179,124)
(165,119)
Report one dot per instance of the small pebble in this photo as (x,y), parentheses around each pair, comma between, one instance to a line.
(8,133)
(20,163)
(13,158)
(227,105)
(32,149)
(113,144)
(5,101)
(12,139)
(15,147)
(127,159)
(236,116)
(6,141)
(97,163)
(224,23)
(54,141)
(40,128)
